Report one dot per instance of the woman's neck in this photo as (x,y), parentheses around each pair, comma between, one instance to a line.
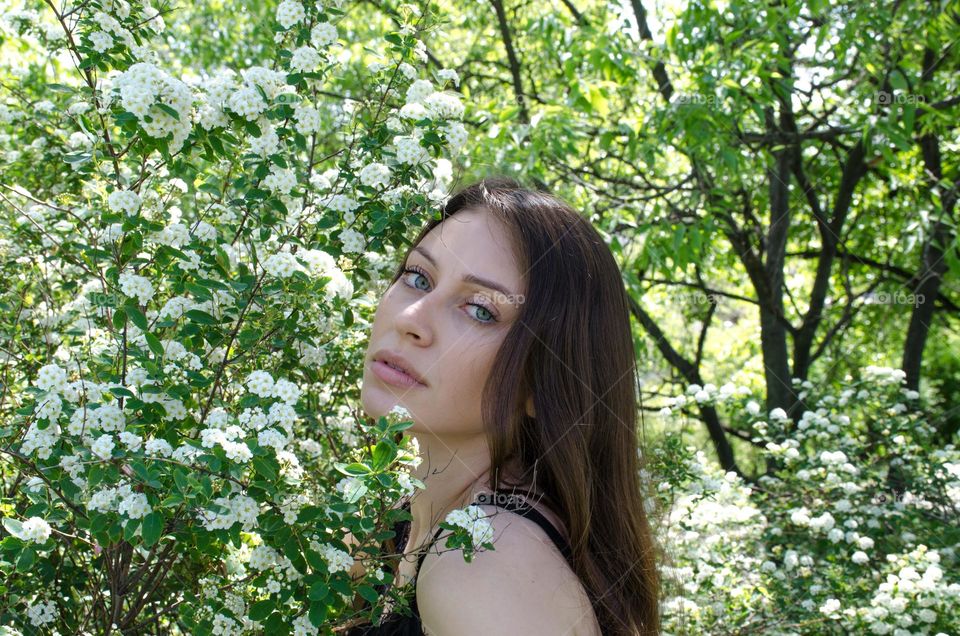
(453,472)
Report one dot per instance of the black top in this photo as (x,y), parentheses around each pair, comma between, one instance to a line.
(395,624)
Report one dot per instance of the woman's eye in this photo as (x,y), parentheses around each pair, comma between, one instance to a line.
(416,273)
(482,314)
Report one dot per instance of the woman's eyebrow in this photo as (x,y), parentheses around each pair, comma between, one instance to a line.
(469,278)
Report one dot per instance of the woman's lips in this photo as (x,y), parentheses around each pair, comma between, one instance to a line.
(394,376)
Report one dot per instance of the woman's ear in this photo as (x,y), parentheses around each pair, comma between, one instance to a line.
(530,410)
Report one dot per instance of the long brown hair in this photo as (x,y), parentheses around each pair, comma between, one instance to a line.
(572,349)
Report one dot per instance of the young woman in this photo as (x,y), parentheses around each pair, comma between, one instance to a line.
(505,333)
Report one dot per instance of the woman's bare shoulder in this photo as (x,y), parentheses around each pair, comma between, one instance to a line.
(524,585)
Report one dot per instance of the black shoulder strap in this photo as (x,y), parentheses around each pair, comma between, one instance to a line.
(506,501)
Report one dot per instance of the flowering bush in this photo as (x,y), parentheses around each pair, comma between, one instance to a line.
(855,531)
(191,262)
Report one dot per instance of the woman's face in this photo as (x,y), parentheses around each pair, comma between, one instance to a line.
(446,329)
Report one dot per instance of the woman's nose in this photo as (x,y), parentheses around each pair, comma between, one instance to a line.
(415,320)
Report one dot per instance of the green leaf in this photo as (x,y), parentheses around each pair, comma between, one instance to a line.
(201,317)
(137,317)
(317,614)
(169,110)
(13,526)
(318,591)
(355,469)
(263,466)
(152,528)
(260,610)
(25,562)
(368,593)
(154,343)
(119,319)
(383,454)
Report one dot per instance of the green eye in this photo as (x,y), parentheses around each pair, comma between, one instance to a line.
(486,317)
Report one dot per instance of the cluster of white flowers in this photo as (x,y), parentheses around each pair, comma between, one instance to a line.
(100,41)
(51,377)
(474,520)
(35,529)
(323,34)
(305,59)
(122,499)
(280,180)
(884,375)
(103,446)
(281,264)
(456,134)
(134,286)
(289,13)
(307,118)
(303,627)
(141,87)
(42,613)
(174,234)
(375,175)
(124,201)
(238,508)
(158,447)
(247,102)
(408,149)
(353,241)
(337,560)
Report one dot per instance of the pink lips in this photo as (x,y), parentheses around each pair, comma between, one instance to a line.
(393,376)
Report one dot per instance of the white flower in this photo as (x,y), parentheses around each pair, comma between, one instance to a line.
(141,87)
(135,505)
(830,607)
(42,613)
(413,111)
(456,134)
(305,58)
(158,447)
(289,13)
(51,377)
(281,264)
(444,106)
(448,74)
(287,391)
(323,34)
(337,560)
(103,446)
(280,180)
(101,41)
(131,441)
(409,150)
(136,286)
(375,175)
(308,119)
(353,241)
(472,518)
(859,557)
(247,102)
(260,383)
(418,91)
(124,200)
(36,529)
